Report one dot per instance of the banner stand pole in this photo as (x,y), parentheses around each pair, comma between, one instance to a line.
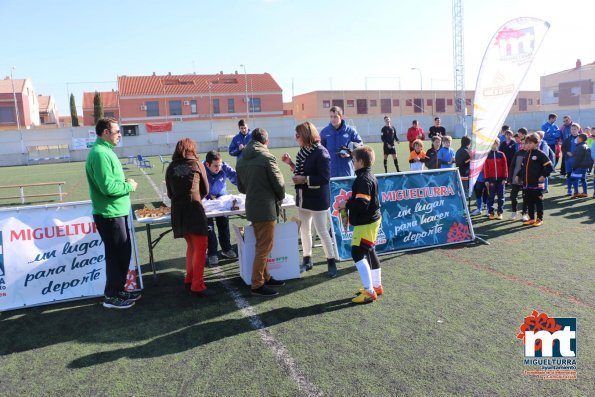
(481,240)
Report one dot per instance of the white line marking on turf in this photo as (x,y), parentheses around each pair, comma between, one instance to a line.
(151,183)
(282,355)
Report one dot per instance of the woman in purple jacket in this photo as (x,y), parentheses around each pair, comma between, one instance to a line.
(312,172)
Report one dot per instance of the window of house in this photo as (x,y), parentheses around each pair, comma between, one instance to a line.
(556,94)
(408,102)
(530,101)
(152,108)
(396,102)
(108,114)
(467,102)
(339,102)
(362,106)
(326,104)
(129,130)
(522,104)
(418,105)
(7,114)
(216,107)
(385,105)
(175,108)
(373,103)
(350,103)
(449,102)
(538,101)
(429,102)
(193,107)
(231,105)
(255,105)
(440,105)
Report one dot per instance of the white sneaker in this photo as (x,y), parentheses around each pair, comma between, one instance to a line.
(476,212)
(513,216)
(525,218)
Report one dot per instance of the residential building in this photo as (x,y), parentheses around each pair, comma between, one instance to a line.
(569,89)
(109,100)
(48,111)
(26,101)
(362,103)
(150,99)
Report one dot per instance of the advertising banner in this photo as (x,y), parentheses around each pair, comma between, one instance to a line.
(503,69)
(159,127)
(419,210)
(51,253)
(284,260)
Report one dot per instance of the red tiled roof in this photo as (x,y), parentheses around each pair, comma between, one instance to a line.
(189,84)
(44,102)
(109,99)
(6,86)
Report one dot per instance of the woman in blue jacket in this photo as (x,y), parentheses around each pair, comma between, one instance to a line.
(312,172)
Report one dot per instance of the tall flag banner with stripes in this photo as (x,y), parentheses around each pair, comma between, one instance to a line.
(503,69)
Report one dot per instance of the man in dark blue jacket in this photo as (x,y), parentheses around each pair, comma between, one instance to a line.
(336,138)
(239,142)
(551,133)
(217,172)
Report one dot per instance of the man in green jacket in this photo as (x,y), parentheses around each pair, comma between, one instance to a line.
(110,198)
(261,180)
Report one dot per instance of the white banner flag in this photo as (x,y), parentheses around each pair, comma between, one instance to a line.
(503,69)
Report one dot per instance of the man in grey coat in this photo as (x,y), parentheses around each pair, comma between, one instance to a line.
(261,180)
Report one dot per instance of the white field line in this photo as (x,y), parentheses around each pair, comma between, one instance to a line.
(151,183)
(282,355)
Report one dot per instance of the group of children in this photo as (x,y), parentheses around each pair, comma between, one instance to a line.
(525,164)
(522,161)
(440,155)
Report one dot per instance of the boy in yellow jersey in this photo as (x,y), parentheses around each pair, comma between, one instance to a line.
(364,214)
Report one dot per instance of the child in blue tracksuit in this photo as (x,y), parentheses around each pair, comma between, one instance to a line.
(446,155)
(481,194)
(568,147)
(217,172)
(581,162)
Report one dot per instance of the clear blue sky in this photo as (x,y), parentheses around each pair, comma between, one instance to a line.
(314,44)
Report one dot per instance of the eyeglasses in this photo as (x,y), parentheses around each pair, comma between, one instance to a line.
(115,132)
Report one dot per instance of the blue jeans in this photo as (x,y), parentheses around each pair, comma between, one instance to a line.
(481,194)
(496,188)
(224,239)
(583,179)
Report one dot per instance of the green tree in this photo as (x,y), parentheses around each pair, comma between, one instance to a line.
(97,107)
(73,115)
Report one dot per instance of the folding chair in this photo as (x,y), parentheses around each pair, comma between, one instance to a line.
(143,163)
(163,162)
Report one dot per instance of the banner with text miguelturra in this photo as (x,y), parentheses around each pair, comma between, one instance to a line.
(52,253)
(419,210)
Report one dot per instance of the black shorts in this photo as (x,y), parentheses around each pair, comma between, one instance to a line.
(388,150)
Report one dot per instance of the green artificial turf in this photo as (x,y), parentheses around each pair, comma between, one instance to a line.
(446,325)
